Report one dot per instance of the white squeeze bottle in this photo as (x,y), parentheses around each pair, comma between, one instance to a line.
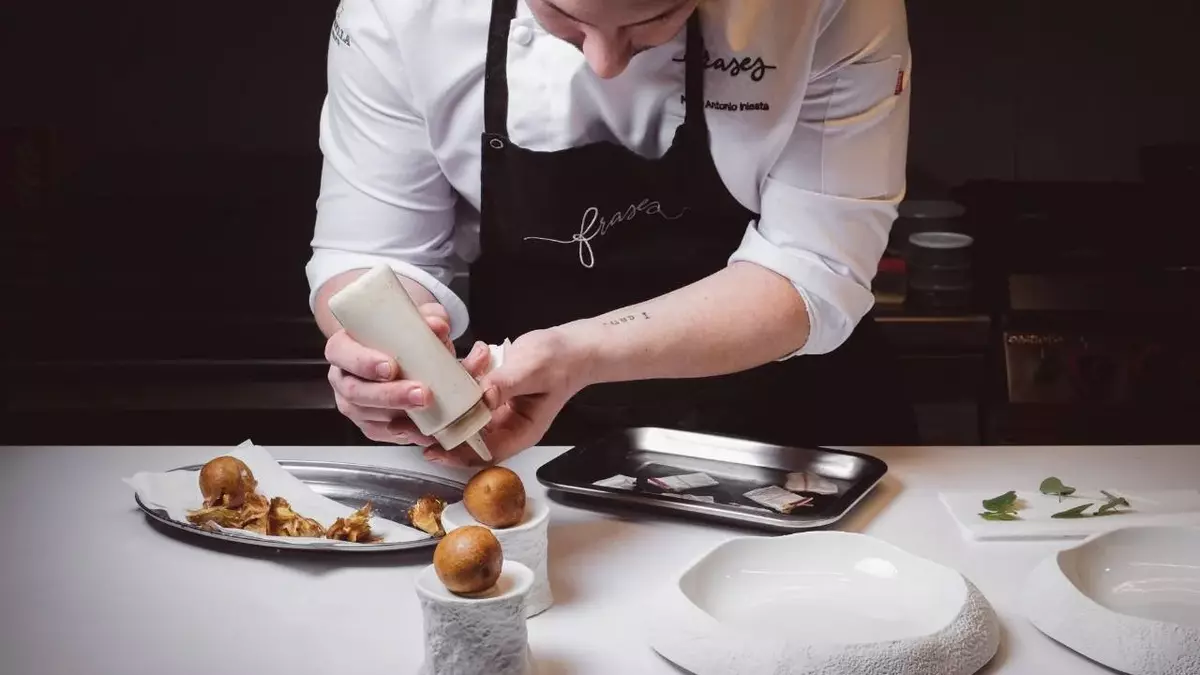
(376,311)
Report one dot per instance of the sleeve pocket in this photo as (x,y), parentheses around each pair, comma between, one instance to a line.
(864,135)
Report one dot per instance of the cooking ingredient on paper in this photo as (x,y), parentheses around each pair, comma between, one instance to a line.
(1004,507)
(1054,486)
(805,481)
(226,481)
(1074,512)
(1113,503)
(687,481)
(1109,508)
(232,501)
(775,497)
(495,497)
(355,528)
(251,516)
(282,521)
(426,515)
(468,560)
(619,482)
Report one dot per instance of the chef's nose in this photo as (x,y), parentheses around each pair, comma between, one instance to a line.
(608,55)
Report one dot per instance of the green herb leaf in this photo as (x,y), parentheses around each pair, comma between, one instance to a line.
(1003,503)
(1114,502)
(1076,512)
(1054,486)
(995,515)
(1114,498)
(1003,507)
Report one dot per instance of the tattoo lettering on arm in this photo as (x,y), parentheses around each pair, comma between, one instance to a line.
(633,316)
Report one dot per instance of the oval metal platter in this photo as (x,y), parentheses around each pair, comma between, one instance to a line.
(390,491)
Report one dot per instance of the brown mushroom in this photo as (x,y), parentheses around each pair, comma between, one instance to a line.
(495,497)
(226,481)
(468,560)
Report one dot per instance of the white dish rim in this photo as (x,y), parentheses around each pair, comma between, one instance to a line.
(974,606)
(1049,586)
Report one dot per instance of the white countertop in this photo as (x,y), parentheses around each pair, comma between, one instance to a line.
(120,597)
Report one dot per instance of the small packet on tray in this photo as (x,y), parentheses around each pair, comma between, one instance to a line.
(683,482)
(778,499)
(806,481)
(617,482)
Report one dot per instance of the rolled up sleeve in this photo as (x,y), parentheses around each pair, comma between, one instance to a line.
(830,200)
(383,197)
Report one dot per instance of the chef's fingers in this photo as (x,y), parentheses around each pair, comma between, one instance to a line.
(434,309)
(510,380)
(478,361)
(462,457)
(404,427)
(439,321)
(378,431)
(343,352)
(359,413)
(400,395)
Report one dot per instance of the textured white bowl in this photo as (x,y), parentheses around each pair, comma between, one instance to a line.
(1127,598)
(527,542)
(823,603)
(483,634)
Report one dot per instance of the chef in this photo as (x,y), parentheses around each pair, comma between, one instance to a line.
(674,208)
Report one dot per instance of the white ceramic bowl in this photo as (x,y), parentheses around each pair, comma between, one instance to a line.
(482,633)
(1127,598)
(823,602)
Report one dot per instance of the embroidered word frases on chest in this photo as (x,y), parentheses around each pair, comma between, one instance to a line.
(734,66)
(594,225)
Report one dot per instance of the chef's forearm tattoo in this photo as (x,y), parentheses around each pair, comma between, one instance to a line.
(632,316)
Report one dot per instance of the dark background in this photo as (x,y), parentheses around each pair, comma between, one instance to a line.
(160,166)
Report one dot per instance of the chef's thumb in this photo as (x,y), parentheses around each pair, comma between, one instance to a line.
(506,383)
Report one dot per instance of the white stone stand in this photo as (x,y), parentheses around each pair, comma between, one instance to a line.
(526,542)
(482,634)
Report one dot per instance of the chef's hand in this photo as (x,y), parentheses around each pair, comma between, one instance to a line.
(371,391)
(541,371)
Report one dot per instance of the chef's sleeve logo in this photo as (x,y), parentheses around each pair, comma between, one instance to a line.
(338,33)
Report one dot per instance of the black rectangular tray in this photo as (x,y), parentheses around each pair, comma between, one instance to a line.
(738,464)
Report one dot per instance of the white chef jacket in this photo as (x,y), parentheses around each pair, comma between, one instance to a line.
(808,124)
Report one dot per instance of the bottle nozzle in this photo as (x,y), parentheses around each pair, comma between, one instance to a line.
(480,448)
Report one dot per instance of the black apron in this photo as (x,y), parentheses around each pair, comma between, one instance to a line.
(584,231)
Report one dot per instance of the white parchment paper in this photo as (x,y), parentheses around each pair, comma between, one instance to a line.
(178,492)
(1148,508)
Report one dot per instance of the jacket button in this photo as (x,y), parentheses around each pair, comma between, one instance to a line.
(522,35)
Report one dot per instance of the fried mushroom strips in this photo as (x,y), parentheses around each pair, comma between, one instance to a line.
(426,515)
(284,522)
(250,516)
(355,528)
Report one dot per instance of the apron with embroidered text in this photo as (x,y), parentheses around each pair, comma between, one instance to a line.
(581,232)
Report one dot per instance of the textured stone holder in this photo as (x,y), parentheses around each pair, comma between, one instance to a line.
(482,634)
(526,542)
